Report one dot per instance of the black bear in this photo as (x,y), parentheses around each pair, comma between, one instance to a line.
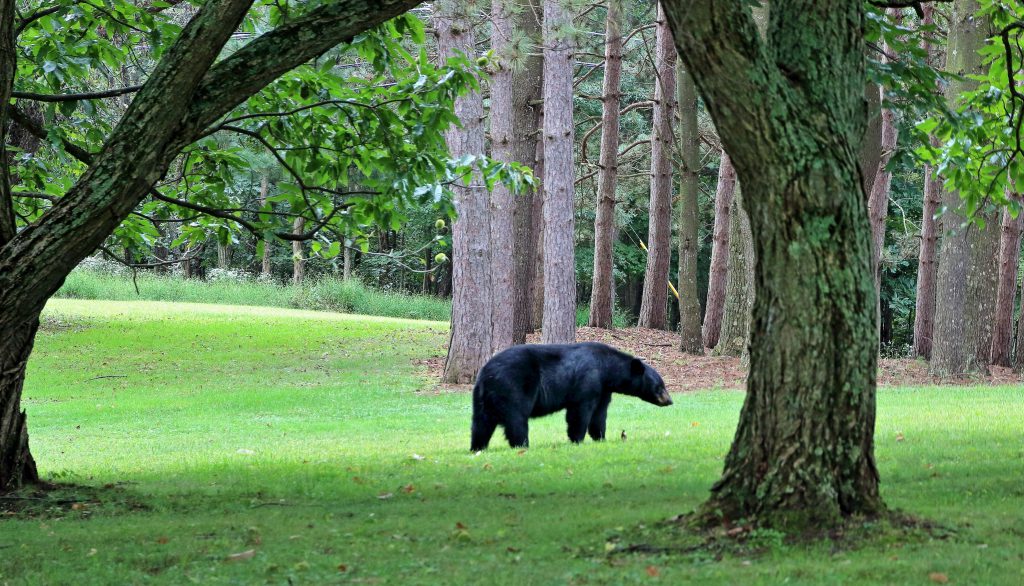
(534,380)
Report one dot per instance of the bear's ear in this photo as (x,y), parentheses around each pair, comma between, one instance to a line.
(636,367)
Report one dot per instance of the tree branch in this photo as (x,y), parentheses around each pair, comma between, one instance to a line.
(76,97)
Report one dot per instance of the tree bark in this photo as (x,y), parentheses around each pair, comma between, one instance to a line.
(298,252)
(602,296)
(470,343)
(559,320)
(1009,259)
(526,97)
(8,71)
(17,467)
(968,260)
(502,211)
(223,255)
(719,270)
(537,215)
(654,304)
(739,288)
(803,455)
(690,340)
(1018,355)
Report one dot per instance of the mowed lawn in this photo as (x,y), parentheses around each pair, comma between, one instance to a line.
(246,445)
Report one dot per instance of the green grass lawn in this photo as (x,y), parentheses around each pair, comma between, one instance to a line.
(301,440)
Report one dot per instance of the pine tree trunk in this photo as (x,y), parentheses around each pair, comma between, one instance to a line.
(537,213)
(526,97)
(690,341)
(502,209)
(602,297)
(298,252)
(803,454)
(559,320)
(654,305)
(739,288)
(924,305)
(470,344)
(1018,354)
(719,270)
(968,259)
(1009,258)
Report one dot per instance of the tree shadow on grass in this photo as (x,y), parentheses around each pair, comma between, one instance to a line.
(68,501)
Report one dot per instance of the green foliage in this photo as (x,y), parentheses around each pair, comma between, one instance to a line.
(307,443)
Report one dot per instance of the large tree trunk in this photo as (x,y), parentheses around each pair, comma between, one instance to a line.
(1009,258)
(739,288)
(654,305)
(559,321)
(470,344)
(602,296)
(968,259)
(502,200)
(526,96)
(718,273)
(924,306)
(690,341)
(1018,354)
(803,455)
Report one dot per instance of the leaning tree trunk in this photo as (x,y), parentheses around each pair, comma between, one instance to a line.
(654,303)
(559,320)
(968,260)
(719,270)
(924,306)
(1009,257)
(690,339)
(739,287)
(470,343)
(803,455)
(526,98)
(602,295)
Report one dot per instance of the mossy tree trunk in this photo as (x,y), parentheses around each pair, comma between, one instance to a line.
(602,294)
(803,454)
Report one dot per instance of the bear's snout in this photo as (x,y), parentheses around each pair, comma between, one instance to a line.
(664,399)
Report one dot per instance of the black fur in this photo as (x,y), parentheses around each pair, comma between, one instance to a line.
(534,380)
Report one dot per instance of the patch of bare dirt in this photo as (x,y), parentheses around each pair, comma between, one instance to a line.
(685,373)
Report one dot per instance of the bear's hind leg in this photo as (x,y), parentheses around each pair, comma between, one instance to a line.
(517,431)
(598,422)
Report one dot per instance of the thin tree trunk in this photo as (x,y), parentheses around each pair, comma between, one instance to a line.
(526,97)
(502,201)
(924,305)
(739,288)
(470,343)
(537,215)
(803,454)
(654,304)
(719,270)
(690,340)
(1009,259)
(602,297)
(968,260)
(298,252)
(265,268)
(223,256)
(559,321)
(346,273)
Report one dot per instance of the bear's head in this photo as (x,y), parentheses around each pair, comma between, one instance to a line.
(646,384)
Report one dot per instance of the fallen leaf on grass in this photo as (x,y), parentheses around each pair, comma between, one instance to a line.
(408,489)
(242,555)
(342,568)
(938,578)
(385,495)
(653,571)
(418,457)
(899,437)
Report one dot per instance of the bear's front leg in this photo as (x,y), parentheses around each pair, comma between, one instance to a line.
(578,419)
(517,431)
